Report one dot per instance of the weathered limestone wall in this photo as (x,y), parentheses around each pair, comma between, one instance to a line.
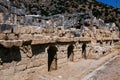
(62,54)
(77,51)
(18,59)
(11,32)
(28,47)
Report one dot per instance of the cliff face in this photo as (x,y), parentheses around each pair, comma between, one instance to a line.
(52,7)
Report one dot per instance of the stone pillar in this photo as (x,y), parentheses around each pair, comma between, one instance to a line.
(101,43)
(107,43)
(119,33)
(11,18)
(112,43)
(104,43)
(1,17)
(15,19)
(62,27)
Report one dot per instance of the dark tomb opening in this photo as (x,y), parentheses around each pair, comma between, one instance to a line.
(84,50)
(70,53)
(52,58)
(101,43)
(8,55)
(110,43)
(106,42)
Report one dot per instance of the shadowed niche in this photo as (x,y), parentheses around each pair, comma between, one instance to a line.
(84,45)
(4,27)
(9,54)
(52,58)
(38,49)
(70,54)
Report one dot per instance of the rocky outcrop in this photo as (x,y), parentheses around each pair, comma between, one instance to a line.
(52,7)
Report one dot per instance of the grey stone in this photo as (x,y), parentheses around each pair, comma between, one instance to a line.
(6,28)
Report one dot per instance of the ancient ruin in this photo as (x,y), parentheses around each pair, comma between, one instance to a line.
(29,41)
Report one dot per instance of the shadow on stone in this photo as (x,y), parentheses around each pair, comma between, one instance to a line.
(8,55)
(70,54)
(52,58)
(4,27)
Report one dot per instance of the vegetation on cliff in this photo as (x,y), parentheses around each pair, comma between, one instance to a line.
(52,7)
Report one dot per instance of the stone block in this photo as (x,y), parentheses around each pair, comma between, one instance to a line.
(43,55)
(10,43)
(77,56)
(43,61)
(7,65)
(36,63)
(17,42)
(37,36)
(19,30)
(61,61)
(12,36)
(20,68)
(30,65)
(26,30)
(3,36)
(36,30)
(38,56)
(61,55)
(7,31)
(9,71)
(23,55)
(1,74)
(43,68)
(1,67)
(16,30)
(22,62)
(25,36)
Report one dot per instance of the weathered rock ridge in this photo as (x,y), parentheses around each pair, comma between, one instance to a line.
(52,7)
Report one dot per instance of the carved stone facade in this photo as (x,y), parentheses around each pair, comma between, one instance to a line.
(24,47)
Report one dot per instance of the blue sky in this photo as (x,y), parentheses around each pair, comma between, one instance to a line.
(114,3)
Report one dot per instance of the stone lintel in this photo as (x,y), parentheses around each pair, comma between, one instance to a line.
(11,43)
(42,41)
(64,39)
(85,39)
(18,43)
